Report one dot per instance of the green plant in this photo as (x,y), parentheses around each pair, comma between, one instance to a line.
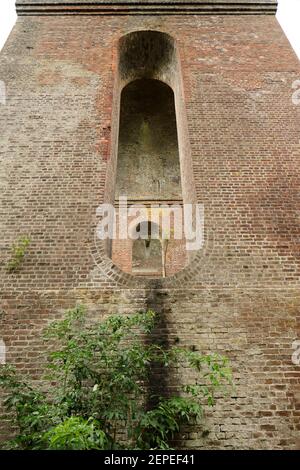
(76,433)
(97,379)
(18,250)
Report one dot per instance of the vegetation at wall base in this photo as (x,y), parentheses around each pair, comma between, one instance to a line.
(95,388)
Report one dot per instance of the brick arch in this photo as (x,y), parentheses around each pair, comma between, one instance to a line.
(146,54)
(170,74)
(147,249)
(146,220)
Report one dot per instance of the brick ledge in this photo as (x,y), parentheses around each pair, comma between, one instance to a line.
(152,7)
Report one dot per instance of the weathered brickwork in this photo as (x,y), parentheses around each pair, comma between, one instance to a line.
(129,255)
(240,295)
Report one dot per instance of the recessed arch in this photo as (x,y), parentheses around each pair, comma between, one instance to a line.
(148,168)
(146,54)
(149,57)
(147,250)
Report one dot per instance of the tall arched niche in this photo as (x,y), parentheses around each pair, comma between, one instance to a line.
(149,74)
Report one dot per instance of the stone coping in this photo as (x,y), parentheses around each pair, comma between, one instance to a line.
(146,7)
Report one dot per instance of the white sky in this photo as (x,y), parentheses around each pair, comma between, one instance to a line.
(288,16)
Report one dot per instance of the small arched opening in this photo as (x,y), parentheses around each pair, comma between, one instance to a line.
(147,251)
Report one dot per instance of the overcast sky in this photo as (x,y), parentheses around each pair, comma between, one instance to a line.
(288,16)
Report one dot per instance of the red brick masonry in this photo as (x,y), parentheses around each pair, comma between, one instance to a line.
(240,296)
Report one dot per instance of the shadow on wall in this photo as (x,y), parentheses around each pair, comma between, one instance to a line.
(160,378)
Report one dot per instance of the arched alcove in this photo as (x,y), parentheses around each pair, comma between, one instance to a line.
(146,54)
(148,168)
(147,251)
(150,154)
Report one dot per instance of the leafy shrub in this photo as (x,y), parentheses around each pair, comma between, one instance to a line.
(76,433)
(97,387)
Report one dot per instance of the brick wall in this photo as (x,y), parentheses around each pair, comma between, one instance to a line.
(240,295)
